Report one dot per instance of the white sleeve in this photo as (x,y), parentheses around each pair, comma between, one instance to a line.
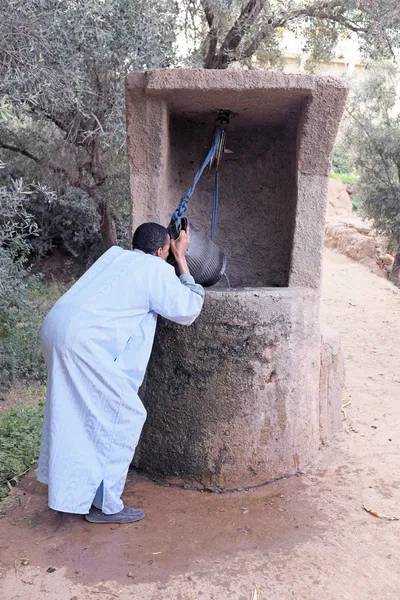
(171,298)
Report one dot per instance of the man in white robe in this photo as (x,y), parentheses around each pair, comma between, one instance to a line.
(97,341)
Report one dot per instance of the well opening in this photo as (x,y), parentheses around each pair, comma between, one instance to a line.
(257,192)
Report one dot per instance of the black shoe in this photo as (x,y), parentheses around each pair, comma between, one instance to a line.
(126,515)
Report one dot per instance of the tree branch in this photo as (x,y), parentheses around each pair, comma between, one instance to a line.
(256,41)
(341,20)
(49,116)
(248,16)
(73,181)
(389,43)
(20,151)
(209,13)
(212,22)
(317,11)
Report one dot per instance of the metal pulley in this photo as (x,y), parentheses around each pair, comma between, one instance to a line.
(221,122)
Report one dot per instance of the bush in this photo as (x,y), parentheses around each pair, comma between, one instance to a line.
(381,204)
(16,227)
(20,357)
(342,161)
(24,300)
(355,200)
(20,433)
(373,130)
(46,221)
(67,222)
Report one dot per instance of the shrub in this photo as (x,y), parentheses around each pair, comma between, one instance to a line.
(17,226)
(342,161)
(373,130)
(67,222)
(20,356)
(20,433)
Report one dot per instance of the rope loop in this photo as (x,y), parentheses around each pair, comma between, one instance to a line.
(183,204)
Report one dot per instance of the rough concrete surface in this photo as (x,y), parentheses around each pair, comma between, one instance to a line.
(233,400)
(308,235)
(331,384)
(306,537)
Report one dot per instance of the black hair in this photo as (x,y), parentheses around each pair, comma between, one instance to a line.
(149,237)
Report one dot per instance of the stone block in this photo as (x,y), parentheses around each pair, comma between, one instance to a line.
(233,400)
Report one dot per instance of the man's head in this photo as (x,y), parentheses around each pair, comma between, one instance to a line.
(152,238)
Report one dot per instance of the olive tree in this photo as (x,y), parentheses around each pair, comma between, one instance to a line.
(62,67)
(227,31)
(372,133)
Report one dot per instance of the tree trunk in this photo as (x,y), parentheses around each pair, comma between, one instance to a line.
(108,229)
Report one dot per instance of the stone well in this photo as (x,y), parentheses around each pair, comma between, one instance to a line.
(248,392)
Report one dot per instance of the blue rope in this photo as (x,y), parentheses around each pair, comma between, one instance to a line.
(215,207)
(183,204)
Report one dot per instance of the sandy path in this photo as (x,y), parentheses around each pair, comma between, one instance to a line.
(304,538)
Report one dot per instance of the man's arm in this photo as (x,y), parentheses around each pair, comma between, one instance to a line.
(179,300)
(179,249)
(189,281)
(173,299)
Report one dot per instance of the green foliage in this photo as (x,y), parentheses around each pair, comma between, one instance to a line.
(5,110)
(20,433)
(342,161)
(24,300)
(69,223)
(17,226)
(355,200)
(63,66)
(345,177)
(20,356)
(373,132)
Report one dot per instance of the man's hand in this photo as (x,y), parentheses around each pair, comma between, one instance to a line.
(179,248)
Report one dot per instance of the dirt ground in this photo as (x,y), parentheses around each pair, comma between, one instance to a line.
(307,537)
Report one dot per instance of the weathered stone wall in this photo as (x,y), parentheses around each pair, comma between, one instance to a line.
(240,405)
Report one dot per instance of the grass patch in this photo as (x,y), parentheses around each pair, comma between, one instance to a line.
(20,433)
(345,177)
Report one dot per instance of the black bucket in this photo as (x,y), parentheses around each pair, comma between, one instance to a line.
(206,262)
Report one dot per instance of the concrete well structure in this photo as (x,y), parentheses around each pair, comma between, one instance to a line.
(248,392)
